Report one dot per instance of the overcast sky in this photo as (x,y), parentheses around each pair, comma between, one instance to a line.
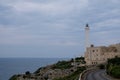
(55,28)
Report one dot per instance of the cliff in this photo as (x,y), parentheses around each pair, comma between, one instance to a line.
(62,69)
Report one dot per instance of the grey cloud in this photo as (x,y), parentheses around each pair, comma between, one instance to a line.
(58,23)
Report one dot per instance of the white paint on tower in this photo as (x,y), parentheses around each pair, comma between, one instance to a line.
(87,36)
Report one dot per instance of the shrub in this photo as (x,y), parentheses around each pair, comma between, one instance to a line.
(113,67)
(14,77)
(115,72)
(101,66)
(62,65)
(74,76)
(27,73)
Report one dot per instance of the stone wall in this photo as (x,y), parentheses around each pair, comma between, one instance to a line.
(100,54)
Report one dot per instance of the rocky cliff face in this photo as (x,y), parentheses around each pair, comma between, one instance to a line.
(58,70)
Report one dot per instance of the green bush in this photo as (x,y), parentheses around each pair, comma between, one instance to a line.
(14,77)
(115,71)
(115,61)
(62,65)
(27,73)
(101,66)
(74,76)
(80,59)
(113,67)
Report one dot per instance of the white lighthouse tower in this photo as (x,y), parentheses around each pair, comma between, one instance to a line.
(87,44)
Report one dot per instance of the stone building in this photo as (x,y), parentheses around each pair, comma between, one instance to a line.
(100,54)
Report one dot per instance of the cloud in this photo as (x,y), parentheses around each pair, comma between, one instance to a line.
(108,23)
(22,36)
(52,7)
(58,23)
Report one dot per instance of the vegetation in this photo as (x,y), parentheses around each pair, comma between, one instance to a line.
(38,70)
(78,59)
(62,65)
(14,77)
(113,67)
(101,66)
(74,76)
(27,73)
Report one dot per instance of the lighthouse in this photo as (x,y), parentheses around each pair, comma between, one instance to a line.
(87,44)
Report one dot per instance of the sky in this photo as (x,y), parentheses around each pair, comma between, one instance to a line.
(56,28)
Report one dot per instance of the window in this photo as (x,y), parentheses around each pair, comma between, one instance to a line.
(92,62)
(93,50)
(102,53)
(96,62)
(97,50)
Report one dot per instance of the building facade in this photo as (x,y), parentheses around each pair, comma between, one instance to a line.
(100,54)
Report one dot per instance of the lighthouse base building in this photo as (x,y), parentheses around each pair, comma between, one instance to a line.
(100,54)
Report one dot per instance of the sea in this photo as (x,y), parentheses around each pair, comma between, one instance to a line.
(11,66)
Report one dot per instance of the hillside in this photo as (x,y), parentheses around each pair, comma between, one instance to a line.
(62,70)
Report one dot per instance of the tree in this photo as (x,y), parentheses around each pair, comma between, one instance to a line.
(27,73)
(113,67)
